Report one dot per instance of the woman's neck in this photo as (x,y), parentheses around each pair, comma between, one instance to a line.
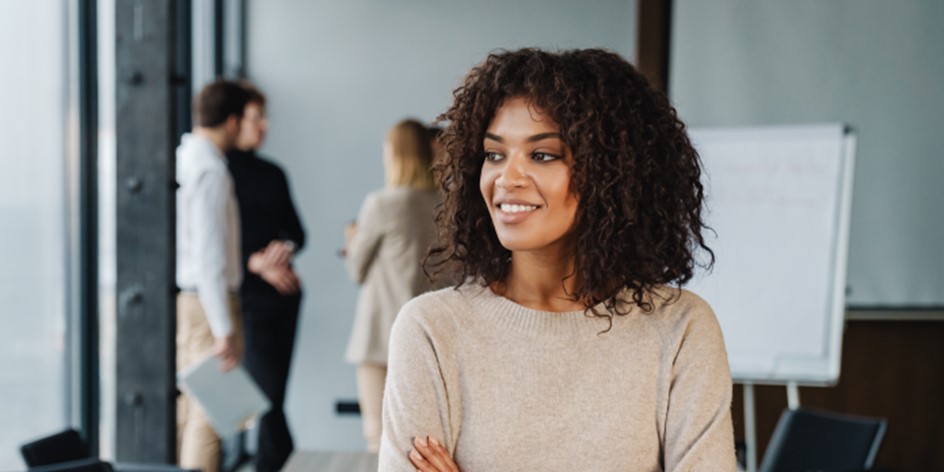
(543,282)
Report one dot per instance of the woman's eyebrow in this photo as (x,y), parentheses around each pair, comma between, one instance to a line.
(531,139)
(543,136)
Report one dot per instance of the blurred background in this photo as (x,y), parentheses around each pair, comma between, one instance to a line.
(89,86)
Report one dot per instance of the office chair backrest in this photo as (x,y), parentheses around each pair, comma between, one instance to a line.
(60,447)
(814,440)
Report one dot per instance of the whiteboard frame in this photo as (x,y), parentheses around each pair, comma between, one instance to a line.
(841,258)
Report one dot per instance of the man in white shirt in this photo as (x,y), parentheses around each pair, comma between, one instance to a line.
(208,259)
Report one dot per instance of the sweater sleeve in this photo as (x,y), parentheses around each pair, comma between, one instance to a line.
(699,434)
(415,402)
(370,231)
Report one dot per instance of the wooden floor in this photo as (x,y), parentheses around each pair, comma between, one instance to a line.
(323,461)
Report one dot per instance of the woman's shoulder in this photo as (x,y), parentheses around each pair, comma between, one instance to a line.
(683,300)
(404,195)
(436,304)
(379,202)
(384,197)
(681,312)
(434,314)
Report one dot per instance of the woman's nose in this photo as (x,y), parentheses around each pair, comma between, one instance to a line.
(512,174)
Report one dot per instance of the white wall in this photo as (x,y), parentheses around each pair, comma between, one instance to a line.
(874,64)
(338,74)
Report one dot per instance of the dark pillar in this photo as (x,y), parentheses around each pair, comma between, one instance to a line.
(145,56)
(653,30)
(88,223)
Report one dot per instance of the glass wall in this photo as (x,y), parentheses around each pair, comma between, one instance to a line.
(38,186)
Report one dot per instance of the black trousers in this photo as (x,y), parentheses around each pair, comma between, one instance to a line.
(269,324)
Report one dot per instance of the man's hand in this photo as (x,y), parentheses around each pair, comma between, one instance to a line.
(284,279)
(429,455)
(273,264)
(350,230)
(226,348)
(276,254)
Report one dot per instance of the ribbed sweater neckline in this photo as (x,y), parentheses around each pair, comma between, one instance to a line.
(506,314)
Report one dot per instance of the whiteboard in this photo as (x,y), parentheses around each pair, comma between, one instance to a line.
(778,201)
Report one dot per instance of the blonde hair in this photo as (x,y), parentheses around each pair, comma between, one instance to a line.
(411,156)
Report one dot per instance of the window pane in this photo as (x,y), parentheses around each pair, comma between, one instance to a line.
(106,225)
(35,238)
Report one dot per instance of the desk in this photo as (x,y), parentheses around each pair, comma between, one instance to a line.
(331,461)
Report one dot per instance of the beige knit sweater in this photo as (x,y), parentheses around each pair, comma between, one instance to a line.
(508,388)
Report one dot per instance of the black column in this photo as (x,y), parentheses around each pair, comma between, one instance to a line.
(88,223)
(184,63)
(653,33)
(145,143)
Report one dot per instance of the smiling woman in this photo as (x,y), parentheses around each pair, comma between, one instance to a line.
(568,344)
(526,179)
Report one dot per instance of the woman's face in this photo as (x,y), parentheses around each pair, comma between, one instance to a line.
(526,178)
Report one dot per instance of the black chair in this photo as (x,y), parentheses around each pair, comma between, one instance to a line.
(811,440)
(68,452)
(140,467)
(60,447)
(82,465)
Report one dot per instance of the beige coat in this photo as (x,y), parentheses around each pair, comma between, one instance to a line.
(394,229)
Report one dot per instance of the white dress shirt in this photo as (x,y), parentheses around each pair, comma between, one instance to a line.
(208,260)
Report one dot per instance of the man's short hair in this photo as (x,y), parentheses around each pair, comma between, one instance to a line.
(217,101)
(255,96)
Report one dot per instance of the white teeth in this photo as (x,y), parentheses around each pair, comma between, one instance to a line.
(510,208)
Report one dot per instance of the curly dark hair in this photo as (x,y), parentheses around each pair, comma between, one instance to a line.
(636,175)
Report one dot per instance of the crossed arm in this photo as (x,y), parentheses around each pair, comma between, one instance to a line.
(273,264)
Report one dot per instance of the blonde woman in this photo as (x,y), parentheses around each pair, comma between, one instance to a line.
(384,253)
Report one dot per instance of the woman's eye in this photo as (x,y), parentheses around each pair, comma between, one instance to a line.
(544,157)
(493,156)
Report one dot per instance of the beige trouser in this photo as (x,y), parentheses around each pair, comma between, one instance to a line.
(370,390)
(198,446)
